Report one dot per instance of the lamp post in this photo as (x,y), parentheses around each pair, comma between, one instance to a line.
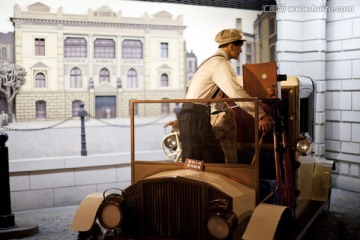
(82,114)
(7,219)
(8,227)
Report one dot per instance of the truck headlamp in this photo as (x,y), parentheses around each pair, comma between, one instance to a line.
(109,213)
(221,226)
(171,146)
(170,141)
(221,221)
(303,143)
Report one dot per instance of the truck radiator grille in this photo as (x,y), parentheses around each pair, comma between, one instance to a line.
(168,208)
(173,208)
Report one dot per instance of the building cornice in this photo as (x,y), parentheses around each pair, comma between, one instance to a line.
(56,22)
(39,14)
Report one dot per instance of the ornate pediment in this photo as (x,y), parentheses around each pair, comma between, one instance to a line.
(163,14)
(164,67)
(105,88)
(104,11)
(39,65)
(38,7)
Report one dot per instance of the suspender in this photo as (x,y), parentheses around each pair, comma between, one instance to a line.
(216,92)
(215,55)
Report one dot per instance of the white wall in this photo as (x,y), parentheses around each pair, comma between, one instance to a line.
(301,47)
(342,135)
(325,45)
(65,181)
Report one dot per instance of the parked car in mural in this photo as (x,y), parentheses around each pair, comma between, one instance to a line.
(274,191)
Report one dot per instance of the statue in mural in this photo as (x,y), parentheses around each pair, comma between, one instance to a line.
(12,76)
(4,119)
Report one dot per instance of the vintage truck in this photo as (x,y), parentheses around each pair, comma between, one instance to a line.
(274,191)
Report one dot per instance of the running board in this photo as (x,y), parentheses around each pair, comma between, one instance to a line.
(307,217)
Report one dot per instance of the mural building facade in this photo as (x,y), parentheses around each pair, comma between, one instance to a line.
(102,59)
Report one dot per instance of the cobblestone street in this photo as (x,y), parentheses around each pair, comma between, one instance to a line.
(343,220)
(341,223)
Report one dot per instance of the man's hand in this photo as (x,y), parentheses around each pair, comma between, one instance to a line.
(266,123)
(173,124)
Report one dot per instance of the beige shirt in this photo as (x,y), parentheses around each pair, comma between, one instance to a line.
(218,72)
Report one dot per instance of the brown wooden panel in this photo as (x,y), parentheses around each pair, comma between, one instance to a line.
(260,80)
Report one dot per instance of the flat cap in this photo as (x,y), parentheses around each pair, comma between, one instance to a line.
(229,35)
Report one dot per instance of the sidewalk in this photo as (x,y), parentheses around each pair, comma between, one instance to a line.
(342,222)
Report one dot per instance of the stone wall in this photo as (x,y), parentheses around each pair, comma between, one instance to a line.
(65,181)
(324,44)
(342,138)
(58,105)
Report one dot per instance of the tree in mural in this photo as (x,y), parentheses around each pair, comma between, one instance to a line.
(12,77)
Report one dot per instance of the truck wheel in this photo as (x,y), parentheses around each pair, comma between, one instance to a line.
(285,228)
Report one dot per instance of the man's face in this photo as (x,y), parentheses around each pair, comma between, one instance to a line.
(236,49)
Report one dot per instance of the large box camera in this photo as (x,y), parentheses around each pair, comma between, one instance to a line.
(261,80)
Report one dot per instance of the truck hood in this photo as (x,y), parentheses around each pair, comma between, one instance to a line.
(243,196)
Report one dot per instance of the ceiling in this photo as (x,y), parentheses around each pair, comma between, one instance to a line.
(238,4)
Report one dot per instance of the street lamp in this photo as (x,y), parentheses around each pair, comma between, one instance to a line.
(82,114)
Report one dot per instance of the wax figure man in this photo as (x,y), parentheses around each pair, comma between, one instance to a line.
(214,77)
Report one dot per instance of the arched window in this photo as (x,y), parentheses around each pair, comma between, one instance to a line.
(132,49)
(40,109)
(75,107)
(40,80)
(132,79)
(104,75)
(164,80)
(75,78)
(75,48)
(3,54)
(104,48)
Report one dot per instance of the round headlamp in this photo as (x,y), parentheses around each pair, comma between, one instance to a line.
(218,227)
(171,142)
(221,226)
(303,143)
(171,146)
(109,213)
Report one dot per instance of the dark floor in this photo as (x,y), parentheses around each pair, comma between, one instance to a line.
(342,222)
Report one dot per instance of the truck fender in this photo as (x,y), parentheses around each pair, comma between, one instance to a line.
(264,222)
(86,213)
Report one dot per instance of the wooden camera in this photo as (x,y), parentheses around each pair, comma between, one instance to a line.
(261,80)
